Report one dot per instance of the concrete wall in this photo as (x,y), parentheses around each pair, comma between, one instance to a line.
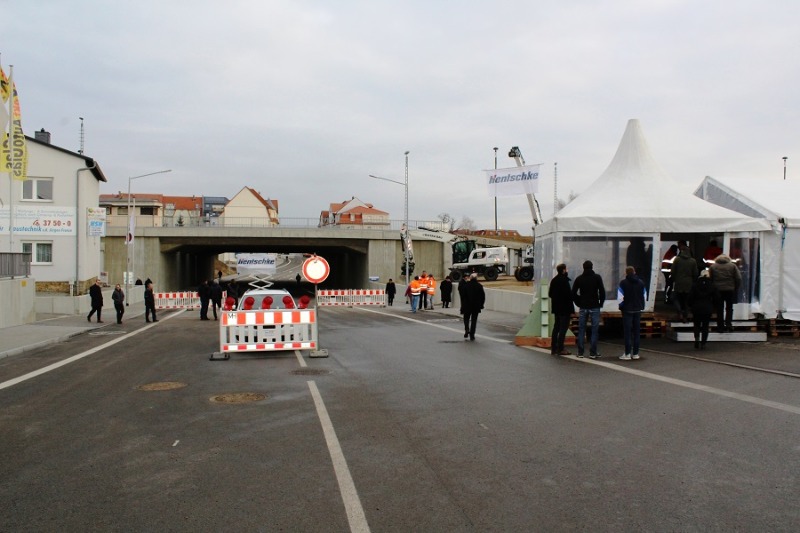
(61,304)
(18,297)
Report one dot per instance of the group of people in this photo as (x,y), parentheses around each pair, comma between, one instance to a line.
(701,291)
(421,292)
(211,293)
(118,297)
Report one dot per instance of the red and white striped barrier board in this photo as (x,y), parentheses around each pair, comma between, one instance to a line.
(268,330)
(351,297)
(179,300)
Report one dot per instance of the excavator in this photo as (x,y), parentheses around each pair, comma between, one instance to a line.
(467,256)
(524,272)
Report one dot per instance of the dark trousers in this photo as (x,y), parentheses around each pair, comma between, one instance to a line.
(390,298)
(423,300)
(560,326)
(203,309)
(148,310)
(470,322)
(701,323)
(214,305)
(632,327)
(95,310)
(120,309)
(725,303)
(681,304)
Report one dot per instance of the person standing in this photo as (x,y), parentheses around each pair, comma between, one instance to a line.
(204,291)
(391,290)
(727,280)
(589,294)
(96,295)
(562,307)
(632,295)
(431,290)
(149,303)
(118,296)
(216,297)
(684,272)
(474,298)
(233,292)
(666,269)
(702,301)
(414,292)
(423,291)
(446,288)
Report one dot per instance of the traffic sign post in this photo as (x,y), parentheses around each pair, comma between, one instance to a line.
(316,270)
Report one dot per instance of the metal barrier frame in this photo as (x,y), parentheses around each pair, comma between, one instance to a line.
(268,330)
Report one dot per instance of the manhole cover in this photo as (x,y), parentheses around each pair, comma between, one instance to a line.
(238,397)
(162,385)
(311,372)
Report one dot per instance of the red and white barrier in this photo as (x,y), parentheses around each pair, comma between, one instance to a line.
(351,297)
(179,300)
(268,330)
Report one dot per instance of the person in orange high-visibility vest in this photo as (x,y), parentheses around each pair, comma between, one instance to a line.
(431,290)
(414,286)
(423,286)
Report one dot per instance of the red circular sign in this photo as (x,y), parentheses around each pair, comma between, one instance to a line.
(316,269)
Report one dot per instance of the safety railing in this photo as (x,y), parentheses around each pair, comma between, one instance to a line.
(268,330)
(15,265)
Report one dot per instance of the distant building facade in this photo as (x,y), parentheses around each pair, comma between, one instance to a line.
(354,213)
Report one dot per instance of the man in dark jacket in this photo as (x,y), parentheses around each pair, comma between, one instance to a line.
(216,297)
(149,302)
(727,279)
(561,305)
(632,295)
(684,272)
(391,290)
(589,294)
(119,302)
(96,294)
(702,301)
(474,298)
(204,291)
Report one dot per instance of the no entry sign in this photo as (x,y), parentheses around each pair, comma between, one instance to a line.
(316,269)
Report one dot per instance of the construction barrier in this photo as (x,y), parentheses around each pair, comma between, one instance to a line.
(179,300)
(268,330)
(351,297)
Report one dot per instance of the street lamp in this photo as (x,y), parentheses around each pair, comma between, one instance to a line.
(129,234)
(495,196)
(405,238)
(784,167)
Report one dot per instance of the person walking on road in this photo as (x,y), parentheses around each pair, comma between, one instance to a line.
(149,303)
(684,272)
(632,296)
(446,288)
(474,298)
(727,279)
(561,304)
(118,296)
(589,294)
(216,297)
(702,301)
(391,290)
(96,295)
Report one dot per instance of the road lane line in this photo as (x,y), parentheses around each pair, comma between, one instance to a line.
(417,321)
(46,369)
(352,503)
(300,359)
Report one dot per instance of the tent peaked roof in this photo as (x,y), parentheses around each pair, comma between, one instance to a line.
(636,195)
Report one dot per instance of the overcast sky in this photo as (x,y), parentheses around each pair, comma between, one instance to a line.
(302,100)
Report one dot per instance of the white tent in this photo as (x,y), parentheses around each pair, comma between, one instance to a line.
(776,202)
(619,220)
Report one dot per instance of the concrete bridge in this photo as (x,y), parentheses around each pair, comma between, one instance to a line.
(177,258)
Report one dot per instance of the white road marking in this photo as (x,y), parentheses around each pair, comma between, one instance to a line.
(175,443)
(300,359)
(352,503)
(59,364)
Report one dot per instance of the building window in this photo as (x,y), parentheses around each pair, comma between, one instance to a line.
(122,210)
(147,211)
(37,189)
(41,252)
(109,210)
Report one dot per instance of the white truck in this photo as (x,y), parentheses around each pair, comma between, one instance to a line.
(467,257)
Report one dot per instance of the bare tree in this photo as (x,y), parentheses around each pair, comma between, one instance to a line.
(466,223)
(448,222)
(561,203)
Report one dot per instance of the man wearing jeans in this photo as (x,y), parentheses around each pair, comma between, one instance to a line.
(589,294)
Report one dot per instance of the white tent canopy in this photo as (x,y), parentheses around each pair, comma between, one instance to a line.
(635,194)
(775,201)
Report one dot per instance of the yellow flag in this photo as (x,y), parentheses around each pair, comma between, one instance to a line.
(14,150)
(4,94)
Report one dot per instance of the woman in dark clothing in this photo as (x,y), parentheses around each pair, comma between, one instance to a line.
(702,300)
(446,288)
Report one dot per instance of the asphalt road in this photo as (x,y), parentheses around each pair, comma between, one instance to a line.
(405,427)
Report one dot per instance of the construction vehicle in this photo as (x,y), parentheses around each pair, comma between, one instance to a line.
(468,258)
(524,272)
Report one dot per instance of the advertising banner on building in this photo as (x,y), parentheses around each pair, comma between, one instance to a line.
(95,222)
(513,181)
(255,264)
(39,220)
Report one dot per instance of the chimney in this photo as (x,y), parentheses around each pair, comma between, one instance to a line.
(42,136)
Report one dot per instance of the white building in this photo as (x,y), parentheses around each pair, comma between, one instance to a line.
(55,217)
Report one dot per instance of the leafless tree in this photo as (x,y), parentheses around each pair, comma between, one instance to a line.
(448,222)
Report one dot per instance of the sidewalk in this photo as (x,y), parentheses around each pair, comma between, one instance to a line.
(50,329)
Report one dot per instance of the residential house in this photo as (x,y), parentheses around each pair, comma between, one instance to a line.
(248,208)
(147,208)
(55,216)
(354,213)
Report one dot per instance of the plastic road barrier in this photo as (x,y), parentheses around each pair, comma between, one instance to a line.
(351,297)
(268,330)
(179,300)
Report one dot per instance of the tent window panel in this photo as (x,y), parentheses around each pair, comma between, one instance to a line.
(609,256)
(744,252)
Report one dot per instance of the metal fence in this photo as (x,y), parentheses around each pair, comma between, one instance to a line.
(151,221)
(15,265)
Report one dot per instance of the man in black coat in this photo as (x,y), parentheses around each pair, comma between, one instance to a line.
(216,297)
(96,294)
(204,291)
(473,299)
(589,294)
(560,294)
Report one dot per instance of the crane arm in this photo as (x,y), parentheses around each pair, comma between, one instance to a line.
(536,214)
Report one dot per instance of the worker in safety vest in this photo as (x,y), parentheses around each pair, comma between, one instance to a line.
(423,286)
(431,290)
(415,291)
(712,252)
(666,269)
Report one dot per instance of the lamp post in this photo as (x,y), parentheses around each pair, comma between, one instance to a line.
(131,229)
(405,235)
(784,167)
(495,196)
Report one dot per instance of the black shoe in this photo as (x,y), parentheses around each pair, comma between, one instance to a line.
(594,356)
(580,355)
(155,320)
(147,321)
(696,345)
(702,346)
(466,334)
(89,318)
(730,329)
(472,337)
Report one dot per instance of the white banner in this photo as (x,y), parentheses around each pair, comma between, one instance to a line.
(39,220)
(255,263)
(513,181)
(95,222)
